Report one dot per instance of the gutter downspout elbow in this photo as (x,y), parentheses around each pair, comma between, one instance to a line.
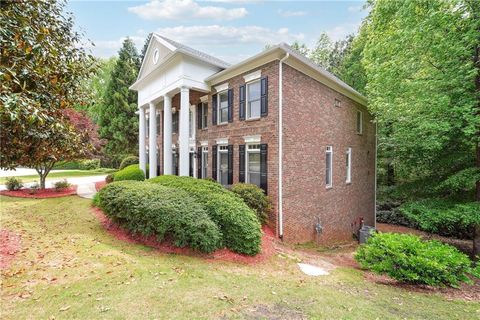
(280,145)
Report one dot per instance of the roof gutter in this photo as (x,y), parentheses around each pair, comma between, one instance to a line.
(280,145)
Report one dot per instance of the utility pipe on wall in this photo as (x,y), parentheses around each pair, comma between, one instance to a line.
(280,145)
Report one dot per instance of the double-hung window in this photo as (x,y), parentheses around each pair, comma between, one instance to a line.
(204,162)
(253,164)
(253,100)
(223,107)
(222,173)
(359,122)
(329,167)
(203,115)
(348,165)
(175,122)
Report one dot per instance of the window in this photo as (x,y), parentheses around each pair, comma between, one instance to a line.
(158,123)
(175,122)
(328,167)
(253,164)
(253,100)
(222,165)
(203,115)
(359,122)
(337,103)
(348,164)
(223,107)
(204,162)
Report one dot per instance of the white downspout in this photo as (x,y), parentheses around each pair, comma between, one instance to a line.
(280,145)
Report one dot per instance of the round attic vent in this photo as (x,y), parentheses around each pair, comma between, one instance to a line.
(155,56)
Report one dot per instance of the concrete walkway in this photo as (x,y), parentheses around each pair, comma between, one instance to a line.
(86,190)
(77,181)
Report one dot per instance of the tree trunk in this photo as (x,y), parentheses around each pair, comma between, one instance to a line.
(43,170)
(476,61)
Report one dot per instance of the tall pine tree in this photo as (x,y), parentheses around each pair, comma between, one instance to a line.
(117,119)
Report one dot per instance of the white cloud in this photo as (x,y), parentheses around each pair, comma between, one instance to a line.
(185,9)
(355,8)
(288,13)
(341,31)
(108,48)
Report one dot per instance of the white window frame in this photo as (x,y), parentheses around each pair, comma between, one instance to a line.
(221,149)
(348,163)
(329,151)
(204,156)
(249,149)
(247,101)
(219,114)
(359,126)
(204,115)
(337,103)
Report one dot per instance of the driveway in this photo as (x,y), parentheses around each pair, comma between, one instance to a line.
(75,180)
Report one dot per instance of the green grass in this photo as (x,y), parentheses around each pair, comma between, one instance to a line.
(69,262)
(61,175)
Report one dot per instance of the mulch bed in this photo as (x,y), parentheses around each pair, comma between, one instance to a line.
(9,246)
(40,194)
(167,246)
(99,185)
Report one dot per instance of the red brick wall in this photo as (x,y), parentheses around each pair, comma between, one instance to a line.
(312,122)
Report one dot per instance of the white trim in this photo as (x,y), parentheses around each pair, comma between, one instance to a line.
(222,141)
(329,150)
(219,103)
(247,153)
(253,76)
(247,101)
(221,87)
(204,98)
(349,165)
(204,143)
(253,139)
(280,145)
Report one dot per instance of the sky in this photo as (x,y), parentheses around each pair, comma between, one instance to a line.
(231,30)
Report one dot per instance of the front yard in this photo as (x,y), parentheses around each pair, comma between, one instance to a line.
(70,267)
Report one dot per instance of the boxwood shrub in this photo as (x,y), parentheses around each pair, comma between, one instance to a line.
(128,161)
(151,209)
(255,198)
(408,259)
(237,222)
(132,172)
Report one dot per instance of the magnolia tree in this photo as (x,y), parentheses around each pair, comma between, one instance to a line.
(42,66)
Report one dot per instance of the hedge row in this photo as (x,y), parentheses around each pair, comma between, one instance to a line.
(237,222)
(87,164)
(153,209)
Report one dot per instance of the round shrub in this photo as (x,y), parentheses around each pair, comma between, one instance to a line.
(109,178)
(89,164)
(408,259)
(132,172)
(150,209)
(255,199)
(13,184)
(237,222)
(128,161)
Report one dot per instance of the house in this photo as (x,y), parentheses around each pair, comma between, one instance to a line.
(276,120)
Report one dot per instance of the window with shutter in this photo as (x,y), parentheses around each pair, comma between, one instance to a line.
(222,107)
(230,105)
(230,164)
(241,102)
(214,109)
(222,164)
(199,115)
(264,96)
(199,163)
(241,163)
(253,99)
(204,159)
(253,164)
(214,162)
(263,167)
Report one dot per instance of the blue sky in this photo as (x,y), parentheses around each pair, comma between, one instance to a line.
(228,29)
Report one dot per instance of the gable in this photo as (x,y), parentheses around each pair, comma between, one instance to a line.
(154,48)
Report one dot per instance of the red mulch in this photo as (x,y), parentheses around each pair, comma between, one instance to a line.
(99,185)
(40,194)
(167,246)
(9,246)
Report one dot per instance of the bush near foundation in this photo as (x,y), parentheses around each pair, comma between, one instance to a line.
(152,209)
(132,172)
(237,222)
(255,198)
(407,258)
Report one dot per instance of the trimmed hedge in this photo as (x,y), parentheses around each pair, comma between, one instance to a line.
(86,164)
(151,209)
(132,172)
(255,198)
(237,222)
(128,161)
(408,259)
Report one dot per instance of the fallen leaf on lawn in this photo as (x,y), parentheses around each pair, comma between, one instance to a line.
(65,308)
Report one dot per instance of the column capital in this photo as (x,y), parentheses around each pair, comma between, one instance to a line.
(184,88)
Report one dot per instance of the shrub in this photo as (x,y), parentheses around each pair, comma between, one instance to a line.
(255,199)
(237,222)
(13,184)
(89,164)
(61,185)
(109,178)
(444,217)
(34,187)
(86,164)
(128,161)
(132,172)
(150,209)
(409,259)
(67,165)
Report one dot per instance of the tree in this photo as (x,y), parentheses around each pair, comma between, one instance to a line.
(300,48)
(41,70)
(322,51)
(117,119)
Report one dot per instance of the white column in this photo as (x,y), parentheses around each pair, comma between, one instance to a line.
(183,167)
(152,141)
(167,135)
(142,152)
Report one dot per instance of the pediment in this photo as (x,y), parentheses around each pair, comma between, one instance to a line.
(157,52)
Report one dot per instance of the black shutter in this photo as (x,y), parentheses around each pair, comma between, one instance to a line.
(230,164)
(263,167)
(264,96)
(214,162)
(241,95)
(214,109)
(199,115)
(199,163)
(241,163)
(230,105)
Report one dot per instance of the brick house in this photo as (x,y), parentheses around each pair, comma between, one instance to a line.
(276,120)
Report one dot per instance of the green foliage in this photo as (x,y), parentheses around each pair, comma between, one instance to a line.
(109,178)
(132,172)
(462,181)
(127,161)
(150,209)
(86,164)
(443,216)
(61,185)
(255,198)
(13,184)
(238,223)
(409,259)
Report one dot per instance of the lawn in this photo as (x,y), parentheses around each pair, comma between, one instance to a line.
(62,174)
(70,267)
